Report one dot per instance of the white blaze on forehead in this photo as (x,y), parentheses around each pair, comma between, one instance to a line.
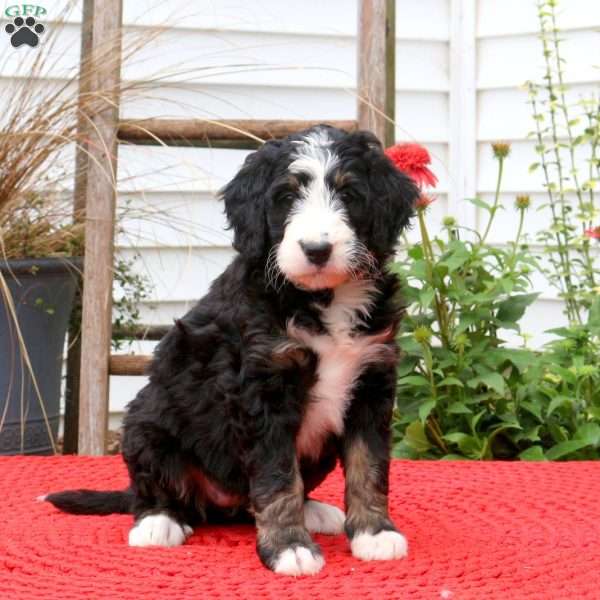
(315,159)
(317,215)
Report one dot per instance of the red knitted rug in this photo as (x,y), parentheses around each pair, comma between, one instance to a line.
(475,531)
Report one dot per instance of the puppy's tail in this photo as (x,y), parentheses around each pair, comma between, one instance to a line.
(89,502)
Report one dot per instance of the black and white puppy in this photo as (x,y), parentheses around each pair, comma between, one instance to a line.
(287,364)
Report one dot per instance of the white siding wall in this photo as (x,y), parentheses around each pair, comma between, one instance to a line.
(460,65)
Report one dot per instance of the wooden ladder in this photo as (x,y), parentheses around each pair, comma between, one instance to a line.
(95,193)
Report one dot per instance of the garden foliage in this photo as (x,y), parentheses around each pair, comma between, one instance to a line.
(463,390)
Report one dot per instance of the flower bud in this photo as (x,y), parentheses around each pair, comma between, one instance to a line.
(523,202)
(501,150)
(461,341)
(422,334)
(449,222)
(423,201)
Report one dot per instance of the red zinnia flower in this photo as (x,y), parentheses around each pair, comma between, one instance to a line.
(413,159)
(593,233)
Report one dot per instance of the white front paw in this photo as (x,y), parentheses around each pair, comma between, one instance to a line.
(385,545)
(298,561)
(158,530)
(323,518)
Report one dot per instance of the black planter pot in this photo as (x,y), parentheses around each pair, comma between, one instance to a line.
(42,291)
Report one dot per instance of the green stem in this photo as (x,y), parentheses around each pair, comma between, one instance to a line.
(511,262)
(563,106)
(594,159)
(494,208)
(551,89)
(440,303)
(436,433)
(562,267)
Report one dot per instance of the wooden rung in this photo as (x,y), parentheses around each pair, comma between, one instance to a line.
(152,333)
(221,133)
(129,364)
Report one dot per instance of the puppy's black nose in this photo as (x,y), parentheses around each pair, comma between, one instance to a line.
(318,253)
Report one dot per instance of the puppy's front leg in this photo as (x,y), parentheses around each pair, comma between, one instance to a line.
(365,457)
(283,542)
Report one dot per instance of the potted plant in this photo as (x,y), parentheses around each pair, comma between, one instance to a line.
(38,279)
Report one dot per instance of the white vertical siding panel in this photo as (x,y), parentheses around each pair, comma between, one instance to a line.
(463,115)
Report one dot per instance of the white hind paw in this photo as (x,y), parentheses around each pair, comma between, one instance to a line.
(158,530)
(323,518)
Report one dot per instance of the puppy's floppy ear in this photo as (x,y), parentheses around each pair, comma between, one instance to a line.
(393,192)
(244,198)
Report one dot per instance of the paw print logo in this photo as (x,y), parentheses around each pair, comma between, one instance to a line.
(24,31)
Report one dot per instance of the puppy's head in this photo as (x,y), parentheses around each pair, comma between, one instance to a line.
(320,207)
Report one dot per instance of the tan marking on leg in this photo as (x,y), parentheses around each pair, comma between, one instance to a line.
(366,501)
(283,541)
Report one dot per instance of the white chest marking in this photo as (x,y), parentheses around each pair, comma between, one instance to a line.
(342,358)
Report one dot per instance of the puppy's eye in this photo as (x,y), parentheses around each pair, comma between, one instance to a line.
(348,196)
(288,197)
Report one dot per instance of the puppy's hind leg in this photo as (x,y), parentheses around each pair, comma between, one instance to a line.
(318,516)
(159,529)
(323,518)
(163,505)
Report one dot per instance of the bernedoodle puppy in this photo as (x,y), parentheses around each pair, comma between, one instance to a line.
(287,364)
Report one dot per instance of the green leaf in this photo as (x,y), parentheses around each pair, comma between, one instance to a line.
(476,418)
(466,321)
(419,270)
(522,359)
(533,453)
(425,409)
(458,257)
(416,438)
(417,380)
(588,432)
(594,316)
(480,203)
(451,381)
(456,437)
(531,435)
(486,453)
(565,448)
(565,374)
(533,167)
(426,297)
(468,444)
(416,252)
(459,408)
(512,309)
(402,450)
(534,409)
(406,366)
(558,433)
(556,403)
(493,381)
